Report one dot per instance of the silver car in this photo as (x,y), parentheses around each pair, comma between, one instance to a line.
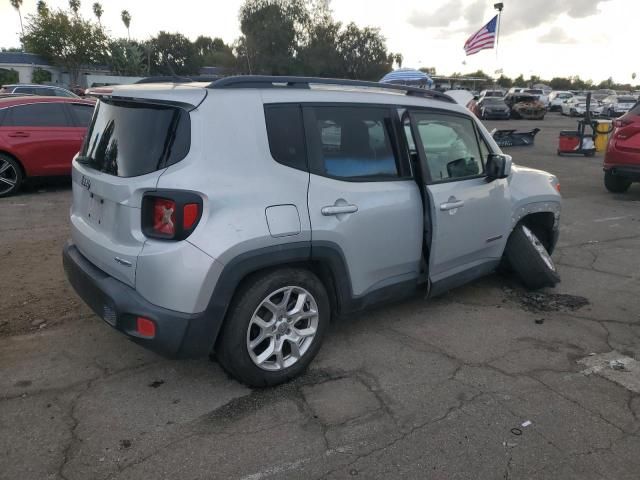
(239,217)
(617,105)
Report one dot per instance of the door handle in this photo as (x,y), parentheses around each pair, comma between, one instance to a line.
(338,209)
(451,204)
(19,134)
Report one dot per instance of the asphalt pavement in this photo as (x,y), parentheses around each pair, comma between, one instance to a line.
(488,381)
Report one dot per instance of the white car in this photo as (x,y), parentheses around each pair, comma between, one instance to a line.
(616,105)
(557,98)
(577,107)
(540,94)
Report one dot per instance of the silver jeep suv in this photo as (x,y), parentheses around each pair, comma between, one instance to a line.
(240,216)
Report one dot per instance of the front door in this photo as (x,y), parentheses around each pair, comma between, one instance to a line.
(469,215)
(362,197)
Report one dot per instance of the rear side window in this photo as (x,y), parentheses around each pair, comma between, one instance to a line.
(636,109)
(39,115)
(128,139)
(82,113)
(27,90)
(286,135)
(352,142)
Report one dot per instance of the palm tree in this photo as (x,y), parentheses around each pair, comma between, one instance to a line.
(17,4)
(74,5)
(98,11)
(126,19)
(42,8)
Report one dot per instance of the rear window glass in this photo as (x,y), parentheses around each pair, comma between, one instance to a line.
(635,110)
(286,135)
(83,113)
(128,139)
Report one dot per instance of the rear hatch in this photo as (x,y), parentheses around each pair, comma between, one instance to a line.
(129,144)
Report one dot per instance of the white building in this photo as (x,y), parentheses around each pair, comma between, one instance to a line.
(26,63)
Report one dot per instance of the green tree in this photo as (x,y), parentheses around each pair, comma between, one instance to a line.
(127,57)
(98,11)
(272,31)
(74,6)
(504,82)
(363,52)
(213,52)
(519,81)
(126,19)
(560,83)
(173,54)
(320,56)
(40,75)
(42,8)
(17,4)
(68,41)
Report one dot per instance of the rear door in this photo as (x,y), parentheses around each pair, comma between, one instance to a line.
(43,137)
(362,198)
(469,215)
(127,147)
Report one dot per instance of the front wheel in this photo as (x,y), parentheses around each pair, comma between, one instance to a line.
(530,259)
(10,176)
(274,327)
(614,183)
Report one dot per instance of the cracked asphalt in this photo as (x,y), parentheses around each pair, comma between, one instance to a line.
(433,389)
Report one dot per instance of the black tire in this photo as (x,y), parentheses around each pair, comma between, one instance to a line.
(12,173)
(232,350)
(529,263)
(614,183)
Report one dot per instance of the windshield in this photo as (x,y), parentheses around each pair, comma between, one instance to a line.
(493,100)
(535,92)
(128,139)
(626,100)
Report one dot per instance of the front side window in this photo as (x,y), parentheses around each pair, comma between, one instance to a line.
(450,146)
(39,115)
(83,113)
(352,142)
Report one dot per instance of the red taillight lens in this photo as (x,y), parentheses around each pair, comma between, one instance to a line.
(164,216)
(621,122)
(189,215)
(145,327)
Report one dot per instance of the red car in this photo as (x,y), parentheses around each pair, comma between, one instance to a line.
(622,158)
(39,136)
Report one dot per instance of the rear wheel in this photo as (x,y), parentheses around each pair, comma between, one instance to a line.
(614,183)
(274,327)
(530,259)
(10,176)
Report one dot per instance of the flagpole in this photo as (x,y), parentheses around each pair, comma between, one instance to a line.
(498,7)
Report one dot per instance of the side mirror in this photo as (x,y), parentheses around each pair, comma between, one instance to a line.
(498,166)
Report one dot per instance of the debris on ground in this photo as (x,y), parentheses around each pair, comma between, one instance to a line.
(614,366)
(546,302)
(526,423)
(156,383)
(516,431)
(539,321)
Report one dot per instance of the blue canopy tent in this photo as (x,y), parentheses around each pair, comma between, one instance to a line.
(408,76)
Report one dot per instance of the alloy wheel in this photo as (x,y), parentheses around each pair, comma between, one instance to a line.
(8,176)
(282,328)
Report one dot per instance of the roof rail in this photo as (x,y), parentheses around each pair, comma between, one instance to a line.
(266,81)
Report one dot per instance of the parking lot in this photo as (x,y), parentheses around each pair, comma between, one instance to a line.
(436,389)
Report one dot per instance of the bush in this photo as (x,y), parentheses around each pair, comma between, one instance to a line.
(40,75)
(8,76)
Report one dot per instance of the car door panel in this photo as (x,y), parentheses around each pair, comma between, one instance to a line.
(359,198)
(43,149)
(469,215)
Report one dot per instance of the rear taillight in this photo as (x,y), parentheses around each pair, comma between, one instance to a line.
(170,214)
(164,216)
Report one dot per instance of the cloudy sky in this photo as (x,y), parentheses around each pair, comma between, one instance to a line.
(591,38)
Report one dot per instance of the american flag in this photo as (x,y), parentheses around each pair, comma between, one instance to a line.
(483,38)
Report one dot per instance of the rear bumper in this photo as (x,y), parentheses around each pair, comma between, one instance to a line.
(177,334)
(632,172)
